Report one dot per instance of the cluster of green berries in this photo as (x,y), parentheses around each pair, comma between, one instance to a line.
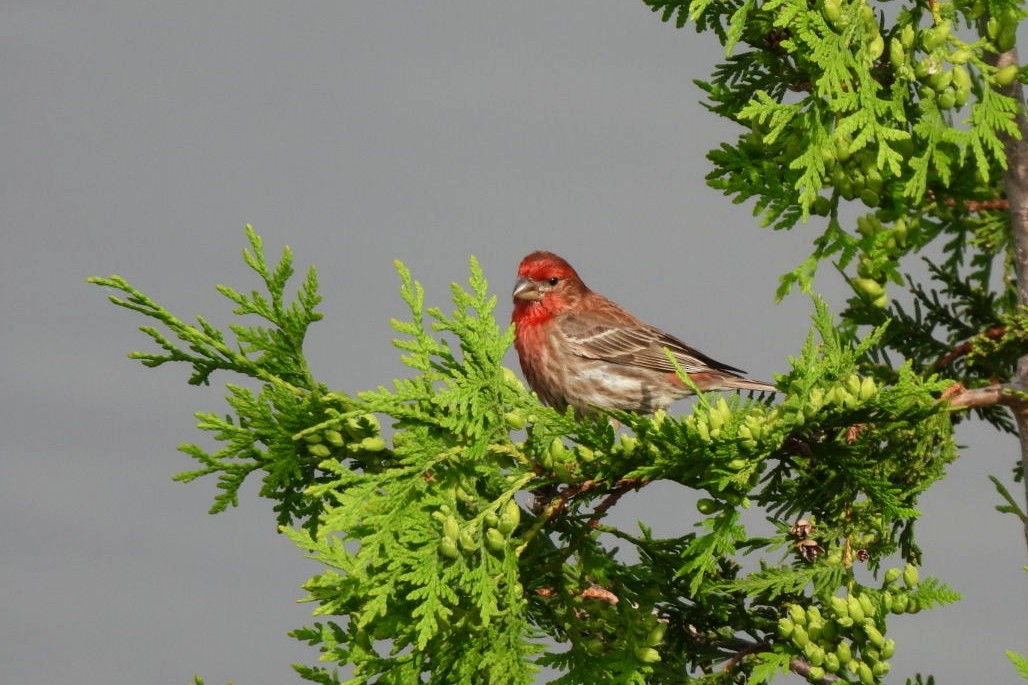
(654,629)
(756,429)
(848,393)
(355,434)
(934,60)
(641,636)
(708,424)
(854,172)
(946,86)
(890,240)
(563,462)
(493,530)
(716,422)
(941,73)
(838,19)
(848,636)
(1001,29)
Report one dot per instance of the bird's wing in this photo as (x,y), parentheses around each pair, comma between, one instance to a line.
(596,335)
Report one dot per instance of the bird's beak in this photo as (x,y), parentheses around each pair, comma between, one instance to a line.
(526,289)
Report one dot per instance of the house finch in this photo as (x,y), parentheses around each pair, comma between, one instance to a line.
(579,349)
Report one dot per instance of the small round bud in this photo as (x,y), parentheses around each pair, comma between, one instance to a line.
(856,611)
(867,605)
(509,518)
(1005,76)
(373,444)
(320,451)
(888,648)
(495,540)
(451,528)
(647,655)
(656,635)
(334,437)
(515,419)
(910,575)
(448,548)
(707,506)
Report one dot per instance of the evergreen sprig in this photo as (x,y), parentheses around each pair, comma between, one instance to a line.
(841,106)
(260,434)
(420,546)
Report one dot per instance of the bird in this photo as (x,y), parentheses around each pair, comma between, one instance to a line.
(581,350)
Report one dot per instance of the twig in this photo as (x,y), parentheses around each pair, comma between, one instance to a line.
(1013,395)
(571,491)
(966,347)
(620,488)
(798,666)
(1006,394)
(751,648)
(551,508)
(973,206)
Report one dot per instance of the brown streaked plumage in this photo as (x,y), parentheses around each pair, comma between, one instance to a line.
(579,349)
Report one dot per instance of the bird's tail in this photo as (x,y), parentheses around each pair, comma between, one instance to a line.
(738,383)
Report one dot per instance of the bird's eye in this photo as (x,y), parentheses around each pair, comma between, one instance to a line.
(554,281)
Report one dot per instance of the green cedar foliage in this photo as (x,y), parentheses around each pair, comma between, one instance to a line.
(469,541)
(910,115)
(897,111)
(260,436)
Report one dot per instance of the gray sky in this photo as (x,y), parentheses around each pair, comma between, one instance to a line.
(139,137)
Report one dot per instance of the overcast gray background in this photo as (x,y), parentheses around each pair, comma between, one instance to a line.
(138,137)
